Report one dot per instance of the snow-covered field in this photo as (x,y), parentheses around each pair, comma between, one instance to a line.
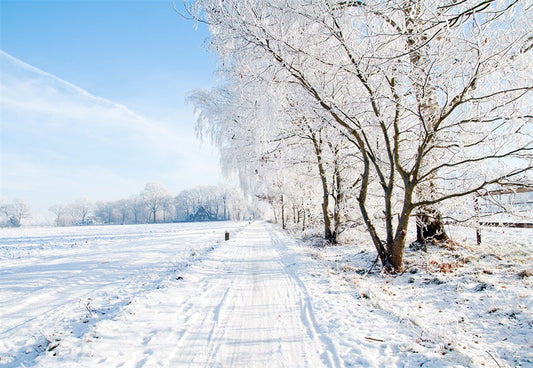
(178,295)
(471,306)
(55,283)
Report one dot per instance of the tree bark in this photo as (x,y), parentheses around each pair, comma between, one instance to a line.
(328,234)
(283,224)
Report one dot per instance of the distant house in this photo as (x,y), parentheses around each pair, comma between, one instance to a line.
(202,215)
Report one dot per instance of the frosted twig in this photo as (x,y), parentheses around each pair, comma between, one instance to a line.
(498,364)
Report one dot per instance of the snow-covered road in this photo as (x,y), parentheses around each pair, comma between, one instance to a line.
(254,314)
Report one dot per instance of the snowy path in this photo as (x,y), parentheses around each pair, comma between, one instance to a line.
(241,306)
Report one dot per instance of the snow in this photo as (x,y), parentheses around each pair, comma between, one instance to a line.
(468,306)
(178,295)
(57,281)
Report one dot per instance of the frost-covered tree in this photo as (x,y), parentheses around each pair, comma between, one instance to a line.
(81,209)
(259,137)
(15,212)
(184,205)
(154,195)
(124,208)
(434,96)
(138,209)
(167,207)
(106,211)
(59,211)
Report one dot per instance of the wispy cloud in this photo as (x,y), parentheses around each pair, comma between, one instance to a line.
(51,128)
(60,105)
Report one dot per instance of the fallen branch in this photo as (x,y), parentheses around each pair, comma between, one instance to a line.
(374,339)
(371,267)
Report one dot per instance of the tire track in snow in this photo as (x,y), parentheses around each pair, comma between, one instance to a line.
(214,288)
(330,356)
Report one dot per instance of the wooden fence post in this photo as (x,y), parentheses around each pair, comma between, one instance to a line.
(478,226)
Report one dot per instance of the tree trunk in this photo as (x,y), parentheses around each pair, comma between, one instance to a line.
(397,252)
(328,234)
(283,224)
(396,249)
(383,254)
(337,212)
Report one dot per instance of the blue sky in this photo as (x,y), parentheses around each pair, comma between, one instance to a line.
(92,100)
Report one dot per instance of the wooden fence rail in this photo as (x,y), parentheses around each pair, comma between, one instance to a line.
(522,225)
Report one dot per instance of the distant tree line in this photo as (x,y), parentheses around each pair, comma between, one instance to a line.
(155,204)
(12,214)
